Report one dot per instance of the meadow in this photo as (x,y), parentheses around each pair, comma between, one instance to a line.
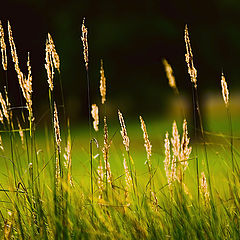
(120,180)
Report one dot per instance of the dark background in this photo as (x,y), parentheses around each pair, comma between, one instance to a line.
(132,37)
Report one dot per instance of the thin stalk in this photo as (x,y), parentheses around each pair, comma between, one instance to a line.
(195,131)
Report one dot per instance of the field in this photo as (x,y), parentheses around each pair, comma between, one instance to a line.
(142,178)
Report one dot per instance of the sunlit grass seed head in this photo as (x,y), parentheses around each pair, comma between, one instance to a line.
(204,189)
(185,149)
(169,73)
(57,129)
(189,58)
(147,143)
(95,116)
(105,150)
(167,160)
(4,107)
(54,54)
(85,43)
(102,83)
(12,45)
(225,91)
(123,131)
(3,47)
(128,181)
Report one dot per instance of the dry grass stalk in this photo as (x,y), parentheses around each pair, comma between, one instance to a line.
(225,91)
(20,132)
(128,181)
(147,144)
(189,58)
(169,73)
(3,48)
(102,83)
(105,151)
(4,107)
(95,116)
(185,149)
(204,189)
(85,43)
(123,131)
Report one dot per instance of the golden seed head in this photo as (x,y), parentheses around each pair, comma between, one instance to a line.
(147,144)
(85,44)
(128,181)
(68,160)
(185,149)
(54,54)
(167,160)
(105,150)
(189,58)
(100,180)
(95,117)
(4,107)
(169,73)
(102,83)
(175,140)
(225,91)
(204,189)
(3,47)
(12,45)
(57,129)
(123,131)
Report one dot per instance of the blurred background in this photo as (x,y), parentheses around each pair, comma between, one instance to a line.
(132,38)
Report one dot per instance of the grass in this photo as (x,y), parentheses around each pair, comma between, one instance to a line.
(52,185)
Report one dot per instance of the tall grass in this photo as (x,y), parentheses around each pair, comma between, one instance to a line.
(42,199)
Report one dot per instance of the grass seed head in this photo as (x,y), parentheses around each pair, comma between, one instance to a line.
(167,160)
(85,43)
(123,131)
(225,91)
(169,73)
(128,181)
(95,116)
(189,58)
(4,107)
(204,189)
(185,149)
(57,129)
(3,48)
(147,144)
(102,83)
